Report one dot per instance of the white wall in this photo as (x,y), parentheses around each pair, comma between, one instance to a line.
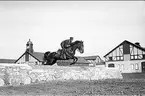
(127,66)
(21,60)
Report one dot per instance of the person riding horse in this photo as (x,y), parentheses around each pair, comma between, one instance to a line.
(64,45)
(50,58)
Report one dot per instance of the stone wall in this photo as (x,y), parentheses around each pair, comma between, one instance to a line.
(16,74)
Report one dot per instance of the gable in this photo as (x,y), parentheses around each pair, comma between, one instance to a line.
(35,56)
(126,47)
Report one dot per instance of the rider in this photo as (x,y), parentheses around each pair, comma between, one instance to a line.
(66,43)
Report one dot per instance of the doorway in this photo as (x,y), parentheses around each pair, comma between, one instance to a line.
(143,66)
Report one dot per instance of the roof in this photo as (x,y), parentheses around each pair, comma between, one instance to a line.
(7,60)
(38,55)
(91,57)
(81,60)
(125,41)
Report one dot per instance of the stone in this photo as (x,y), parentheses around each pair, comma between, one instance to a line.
(2,83)
(23,74)
(14,81)
(27,80)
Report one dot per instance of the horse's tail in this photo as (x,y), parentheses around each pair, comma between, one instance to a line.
(46,55)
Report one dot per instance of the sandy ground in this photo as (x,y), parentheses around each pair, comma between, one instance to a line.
(77,88)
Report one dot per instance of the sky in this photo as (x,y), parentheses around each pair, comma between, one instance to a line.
(102,25)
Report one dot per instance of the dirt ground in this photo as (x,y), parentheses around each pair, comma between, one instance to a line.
(77,88)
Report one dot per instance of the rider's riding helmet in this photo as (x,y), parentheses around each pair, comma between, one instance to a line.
(71,38)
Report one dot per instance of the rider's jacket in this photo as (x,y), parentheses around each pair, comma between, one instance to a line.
(66,43)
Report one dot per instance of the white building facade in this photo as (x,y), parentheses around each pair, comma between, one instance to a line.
(126,57)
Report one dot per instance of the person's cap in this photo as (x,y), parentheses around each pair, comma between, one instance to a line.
(71,37)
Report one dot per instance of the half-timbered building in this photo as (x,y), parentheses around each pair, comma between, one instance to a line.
(127,57)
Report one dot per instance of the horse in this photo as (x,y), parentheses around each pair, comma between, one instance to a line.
(50,58)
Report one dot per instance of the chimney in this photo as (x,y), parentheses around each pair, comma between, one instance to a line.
(137,43)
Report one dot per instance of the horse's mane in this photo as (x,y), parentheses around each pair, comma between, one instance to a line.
(75,42)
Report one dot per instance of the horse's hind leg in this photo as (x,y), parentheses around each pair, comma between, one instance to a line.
(75,59)
(54,61)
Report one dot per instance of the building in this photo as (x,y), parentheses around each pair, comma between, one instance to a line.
(127,57)
(32,57)
(95,61)
(29,56)
(8,61)
(81,62)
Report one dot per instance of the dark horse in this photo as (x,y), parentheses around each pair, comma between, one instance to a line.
(64,54)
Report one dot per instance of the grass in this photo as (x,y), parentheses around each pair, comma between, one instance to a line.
(79,88)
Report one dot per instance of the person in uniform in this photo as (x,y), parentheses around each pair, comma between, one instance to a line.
(66,43)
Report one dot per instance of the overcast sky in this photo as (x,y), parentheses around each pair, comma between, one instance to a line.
(102,25)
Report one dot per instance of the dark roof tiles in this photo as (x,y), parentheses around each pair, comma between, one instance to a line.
(90,57)
(7,60)
(81,60)
(38,55)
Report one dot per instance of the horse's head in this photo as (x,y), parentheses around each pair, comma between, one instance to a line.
(79,45)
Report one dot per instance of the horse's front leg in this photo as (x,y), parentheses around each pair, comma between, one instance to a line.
(75,59)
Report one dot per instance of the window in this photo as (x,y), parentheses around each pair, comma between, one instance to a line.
(132,66)
(122,66)
(110,58)
(121,58)
(143,56)
(136,66)
(36,63)
(118,58)
(140,56)
(135,56)
(111,65)
(132,57)
(114,58)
